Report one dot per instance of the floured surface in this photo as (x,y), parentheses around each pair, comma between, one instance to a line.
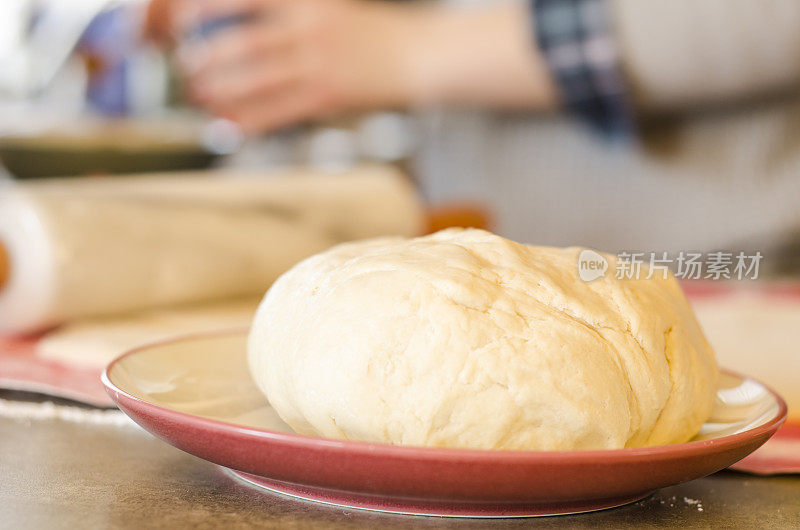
(93,343)
(757,334)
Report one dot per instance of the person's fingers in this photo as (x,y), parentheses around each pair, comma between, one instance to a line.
(236,47)
(294,104)
(229,87)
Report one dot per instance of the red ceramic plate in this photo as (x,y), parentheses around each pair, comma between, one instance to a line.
(196,394)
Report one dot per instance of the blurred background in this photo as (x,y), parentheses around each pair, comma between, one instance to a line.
(623,125)
(663,133)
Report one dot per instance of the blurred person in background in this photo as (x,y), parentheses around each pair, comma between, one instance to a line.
(692,106)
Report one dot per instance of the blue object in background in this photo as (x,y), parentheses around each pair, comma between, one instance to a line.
(209,28)
(108,44)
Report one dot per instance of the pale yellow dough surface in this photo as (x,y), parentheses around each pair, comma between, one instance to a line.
(466,339)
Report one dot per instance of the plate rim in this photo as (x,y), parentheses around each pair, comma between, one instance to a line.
(117,394)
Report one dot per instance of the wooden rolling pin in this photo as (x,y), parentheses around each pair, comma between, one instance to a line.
(464,215)
(84,247)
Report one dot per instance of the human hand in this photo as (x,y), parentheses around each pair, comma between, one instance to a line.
(294,59)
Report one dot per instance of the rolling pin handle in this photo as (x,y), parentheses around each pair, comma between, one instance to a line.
(5,266)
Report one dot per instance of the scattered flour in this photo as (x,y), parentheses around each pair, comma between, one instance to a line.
(694,502)
(21,410)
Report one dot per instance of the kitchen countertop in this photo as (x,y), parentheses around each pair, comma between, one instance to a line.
(63,473)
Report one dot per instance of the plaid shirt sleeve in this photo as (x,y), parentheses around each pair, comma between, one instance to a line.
(575,38)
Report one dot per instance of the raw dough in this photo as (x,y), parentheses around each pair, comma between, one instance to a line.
(466,339)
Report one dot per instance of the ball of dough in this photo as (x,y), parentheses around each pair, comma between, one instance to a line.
(466,339)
